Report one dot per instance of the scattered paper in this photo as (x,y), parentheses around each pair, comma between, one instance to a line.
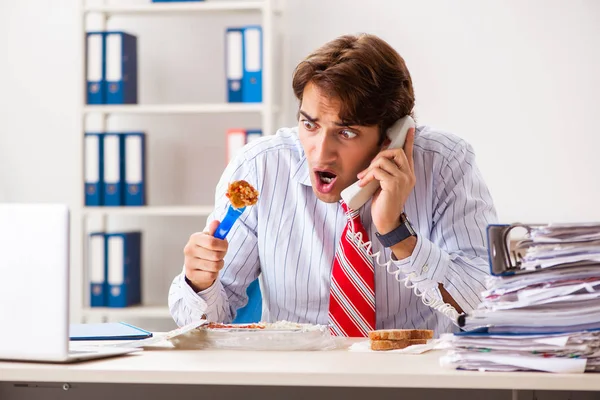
(158,338)
(365,347)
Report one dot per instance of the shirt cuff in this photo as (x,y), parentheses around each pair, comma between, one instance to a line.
(211,294)
(427,262)
(204,300)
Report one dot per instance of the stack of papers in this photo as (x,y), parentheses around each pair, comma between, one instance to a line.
(562,353)
(554,245)
(546,315)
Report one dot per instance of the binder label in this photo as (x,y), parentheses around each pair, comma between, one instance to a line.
(116,273)
(92,155)
(252,50)
(235,66)
(133,167)
(235,142)
(94,56)
(97,259)
(111,160)
(114,63)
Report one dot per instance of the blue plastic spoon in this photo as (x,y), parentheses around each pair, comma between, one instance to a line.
(225,226)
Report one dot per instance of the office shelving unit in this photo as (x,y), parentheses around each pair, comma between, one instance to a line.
(148,109)
(80,214)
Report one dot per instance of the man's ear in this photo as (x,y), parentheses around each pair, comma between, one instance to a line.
(386,143)
(386,140)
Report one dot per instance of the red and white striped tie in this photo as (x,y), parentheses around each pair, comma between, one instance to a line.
(352,296)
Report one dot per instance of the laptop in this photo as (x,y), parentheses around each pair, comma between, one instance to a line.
(34,286)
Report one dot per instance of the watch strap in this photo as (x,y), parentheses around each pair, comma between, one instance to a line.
(402,232)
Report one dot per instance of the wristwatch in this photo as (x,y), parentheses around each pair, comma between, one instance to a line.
(404,231)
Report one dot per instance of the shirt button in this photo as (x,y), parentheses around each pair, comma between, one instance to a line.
(425,268)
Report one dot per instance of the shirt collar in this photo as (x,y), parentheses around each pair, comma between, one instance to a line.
(300,171)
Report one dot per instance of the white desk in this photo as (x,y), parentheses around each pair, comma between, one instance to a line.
(324,369)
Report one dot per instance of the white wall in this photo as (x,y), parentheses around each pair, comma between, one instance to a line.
(37,100)
(517,79)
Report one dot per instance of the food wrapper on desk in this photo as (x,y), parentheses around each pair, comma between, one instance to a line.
(365,347)
(281,335)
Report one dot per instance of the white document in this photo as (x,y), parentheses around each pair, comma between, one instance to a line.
(517,361)
(157,338)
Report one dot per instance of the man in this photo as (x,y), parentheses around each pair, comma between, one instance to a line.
(350,91)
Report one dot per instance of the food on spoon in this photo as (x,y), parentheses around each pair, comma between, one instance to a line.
(242,194)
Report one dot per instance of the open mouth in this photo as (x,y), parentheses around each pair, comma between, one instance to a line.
(326,177)
(325,180)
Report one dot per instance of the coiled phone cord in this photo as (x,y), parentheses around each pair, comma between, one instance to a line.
(426,289)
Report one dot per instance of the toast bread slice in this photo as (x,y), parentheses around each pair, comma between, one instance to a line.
(400,334)
(379,345)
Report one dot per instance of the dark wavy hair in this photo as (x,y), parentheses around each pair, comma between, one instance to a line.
(366,74)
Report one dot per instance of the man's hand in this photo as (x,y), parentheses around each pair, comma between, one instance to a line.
(395,171)
(204,258)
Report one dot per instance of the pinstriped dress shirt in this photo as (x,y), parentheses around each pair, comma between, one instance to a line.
(290,237)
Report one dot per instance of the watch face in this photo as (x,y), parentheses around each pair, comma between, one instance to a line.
(403,218)
(410,228)
(406,222)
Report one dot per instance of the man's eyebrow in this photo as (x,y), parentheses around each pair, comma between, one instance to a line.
(339,123)
(308,117)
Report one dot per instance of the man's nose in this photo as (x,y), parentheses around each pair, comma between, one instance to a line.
(325,148)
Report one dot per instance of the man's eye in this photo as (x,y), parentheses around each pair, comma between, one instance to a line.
(308,125)
(346,134)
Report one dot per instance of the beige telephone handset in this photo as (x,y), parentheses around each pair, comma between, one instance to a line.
(355,197)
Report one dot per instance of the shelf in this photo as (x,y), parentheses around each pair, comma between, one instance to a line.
(128,312)
(102,15)
(177,8)
(222,108)
(149,211)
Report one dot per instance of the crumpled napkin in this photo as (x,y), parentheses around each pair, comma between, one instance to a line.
(365,347)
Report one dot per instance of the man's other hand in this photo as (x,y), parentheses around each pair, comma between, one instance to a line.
(204,258)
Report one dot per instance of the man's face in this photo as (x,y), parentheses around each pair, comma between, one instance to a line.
(336,153)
